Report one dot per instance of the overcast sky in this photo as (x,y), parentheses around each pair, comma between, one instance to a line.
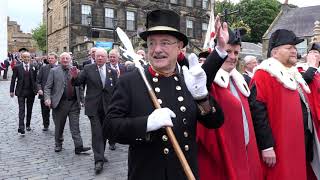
(28,13)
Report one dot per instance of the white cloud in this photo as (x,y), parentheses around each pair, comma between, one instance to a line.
(28,13)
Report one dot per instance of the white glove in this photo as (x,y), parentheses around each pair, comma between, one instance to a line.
(195,78)
(160,118)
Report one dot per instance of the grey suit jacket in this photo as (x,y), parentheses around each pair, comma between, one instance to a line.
(96,96)
(42,78)
(55,86)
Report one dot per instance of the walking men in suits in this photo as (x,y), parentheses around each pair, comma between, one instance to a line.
(92,58)
(114,62)
(100,80)
(25,74)
(41,82)
(65,100)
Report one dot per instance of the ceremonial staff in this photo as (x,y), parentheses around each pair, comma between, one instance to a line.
(135,58)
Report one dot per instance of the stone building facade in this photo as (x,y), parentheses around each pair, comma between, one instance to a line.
(75,25)
(18,39)
(299,20)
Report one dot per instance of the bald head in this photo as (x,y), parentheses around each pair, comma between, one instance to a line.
(101,56)
(114,56)
(25,56)
(92,52)
(65,59)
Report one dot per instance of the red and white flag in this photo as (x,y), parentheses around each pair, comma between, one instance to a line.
(210,35)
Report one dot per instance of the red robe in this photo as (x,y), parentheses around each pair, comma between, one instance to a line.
(286,121)
(314,100)
(222,153)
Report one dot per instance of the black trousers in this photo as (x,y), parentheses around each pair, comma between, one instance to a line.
(45,111)
(99,138)
(22,101)
(5,73)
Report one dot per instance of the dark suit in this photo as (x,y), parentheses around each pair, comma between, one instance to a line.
(122,68)
(151,155)
(64,105)
(24,90)
(86,62)
(41,82)
(96,103)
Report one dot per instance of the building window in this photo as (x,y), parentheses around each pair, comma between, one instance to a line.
(131,23)
(189,3)
(174,1)
(204,30)
(65,16)
(204,4)
(85,12)
(109,16)
(50,24)
(189,28)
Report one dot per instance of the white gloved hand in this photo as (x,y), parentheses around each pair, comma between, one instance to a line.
(195,78)
(160,118)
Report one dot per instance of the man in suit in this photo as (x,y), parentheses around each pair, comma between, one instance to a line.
(41,82)
(25,74)
(92,57)
(114,62)
(100,80)
(65,100)
(250,62)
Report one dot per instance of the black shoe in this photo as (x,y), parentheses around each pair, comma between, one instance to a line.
(81,149)
(112,147)
(28,128)
(105,159)
(57,148)
(45,129)
(98,167)
(21,131)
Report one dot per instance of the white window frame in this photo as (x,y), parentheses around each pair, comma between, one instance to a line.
(189,28)
(109,18)
(85,12)
(131,20)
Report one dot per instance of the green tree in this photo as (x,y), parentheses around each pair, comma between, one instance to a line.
(39,35)
(258,14)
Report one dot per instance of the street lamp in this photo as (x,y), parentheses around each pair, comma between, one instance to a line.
(89,20)
(115,24)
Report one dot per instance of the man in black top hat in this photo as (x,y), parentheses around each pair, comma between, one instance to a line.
(280,109)
(136,122)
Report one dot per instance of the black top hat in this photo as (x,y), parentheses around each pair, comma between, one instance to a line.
(164,22)
(282,37)
(236,35)
(315,46)
(23,50)
(204,54)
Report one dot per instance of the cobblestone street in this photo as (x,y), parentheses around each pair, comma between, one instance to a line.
(32,156)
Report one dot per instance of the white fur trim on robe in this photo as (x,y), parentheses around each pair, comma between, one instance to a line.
(223,77)
(287,77)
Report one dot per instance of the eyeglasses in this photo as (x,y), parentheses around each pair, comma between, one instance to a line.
(163,44)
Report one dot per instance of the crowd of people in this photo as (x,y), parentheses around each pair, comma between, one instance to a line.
(259,124)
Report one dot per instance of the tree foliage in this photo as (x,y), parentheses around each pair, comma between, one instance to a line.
(255,16)
(39,35)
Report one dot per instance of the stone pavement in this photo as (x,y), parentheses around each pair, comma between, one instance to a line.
(32,156)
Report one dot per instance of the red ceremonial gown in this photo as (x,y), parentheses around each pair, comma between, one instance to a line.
(285,119)
(222,153)
(314,100)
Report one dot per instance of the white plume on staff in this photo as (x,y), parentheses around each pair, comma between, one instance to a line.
(209,40)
